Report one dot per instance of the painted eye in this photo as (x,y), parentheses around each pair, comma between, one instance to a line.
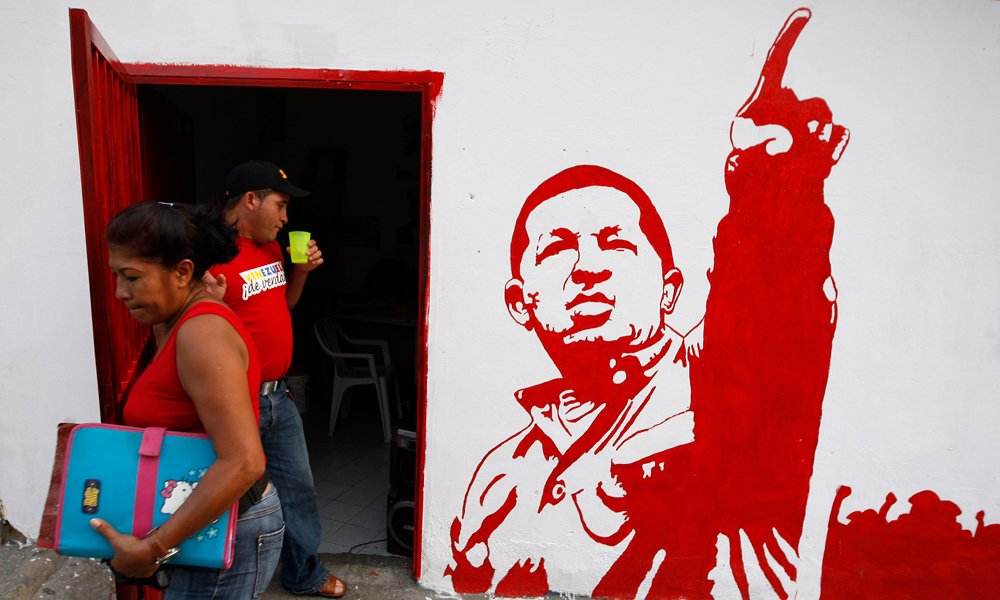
(553,248)
(559,240)
(620,244)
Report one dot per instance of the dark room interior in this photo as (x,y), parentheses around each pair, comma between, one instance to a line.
(358,152)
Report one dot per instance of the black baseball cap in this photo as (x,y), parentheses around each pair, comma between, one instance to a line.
(258,175)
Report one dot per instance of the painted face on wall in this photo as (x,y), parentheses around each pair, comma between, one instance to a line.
(589,272)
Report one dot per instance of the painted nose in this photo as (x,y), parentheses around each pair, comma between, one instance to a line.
(588,278)
(591,266)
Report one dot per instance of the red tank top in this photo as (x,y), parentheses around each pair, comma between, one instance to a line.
(158,399)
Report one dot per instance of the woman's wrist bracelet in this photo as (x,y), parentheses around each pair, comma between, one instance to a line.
(161,554)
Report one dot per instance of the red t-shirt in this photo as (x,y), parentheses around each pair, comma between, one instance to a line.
(255,290)
(158,399)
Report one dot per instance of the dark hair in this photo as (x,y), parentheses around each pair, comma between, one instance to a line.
(584,176)
(171,232)
(229,203)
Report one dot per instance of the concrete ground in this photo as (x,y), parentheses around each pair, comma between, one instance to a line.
(376,577)
(368,577)
(31,573)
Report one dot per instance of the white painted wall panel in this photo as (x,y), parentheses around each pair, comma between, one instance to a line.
(647,89)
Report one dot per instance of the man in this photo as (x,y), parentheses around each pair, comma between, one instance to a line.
(678,465)
(261,291)
(594,279)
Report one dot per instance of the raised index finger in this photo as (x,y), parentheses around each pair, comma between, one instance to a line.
(773,70)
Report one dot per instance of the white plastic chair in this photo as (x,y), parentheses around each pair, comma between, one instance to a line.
(355,368)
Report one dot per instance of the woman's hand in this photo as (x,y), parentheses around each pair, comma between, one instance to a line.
(133,557)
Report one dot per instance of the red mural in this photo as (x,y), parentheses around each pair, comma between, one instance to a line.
(925,553)
(657,450)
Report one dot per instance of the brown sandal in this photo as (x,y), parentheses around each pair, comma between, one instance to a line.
(330,588)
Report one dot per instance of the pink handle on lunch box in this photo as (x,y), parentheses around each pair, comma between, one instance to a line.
(146,480)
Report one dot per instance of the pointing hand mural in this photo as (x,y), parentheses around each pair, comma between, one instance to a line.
(674,461)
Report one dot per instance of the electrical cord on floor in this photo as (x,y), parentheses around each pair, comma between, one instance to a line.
(362,544)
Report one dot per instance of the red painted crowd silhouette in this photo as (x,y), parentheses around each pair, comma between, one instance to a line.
(925,553)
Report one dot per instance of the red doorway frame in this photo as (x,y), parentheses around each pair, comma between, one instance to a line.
(428,85)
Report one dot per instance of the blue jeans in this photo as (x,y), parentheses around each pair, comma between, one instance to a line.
(288,463)
(259,532)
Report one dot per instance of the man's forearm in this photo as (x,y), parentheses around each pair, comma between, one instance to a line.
(294,286)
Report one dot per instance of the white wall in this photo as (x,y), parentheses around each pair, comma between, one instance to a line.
(47,372)
(530,88)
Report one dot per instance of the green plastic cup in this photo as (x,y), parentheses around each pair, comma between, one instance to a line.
(299,243)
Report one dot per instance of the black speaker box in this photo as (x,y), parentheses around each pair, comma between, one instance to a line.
(403,460)
(399,520)
(400,508)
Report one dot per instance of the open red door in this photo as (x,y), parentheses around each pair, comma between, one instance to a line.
(107,125)
(107,120)
(112,165)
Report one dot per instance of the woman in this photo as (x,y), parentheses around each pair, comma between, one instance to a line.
(199,379)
